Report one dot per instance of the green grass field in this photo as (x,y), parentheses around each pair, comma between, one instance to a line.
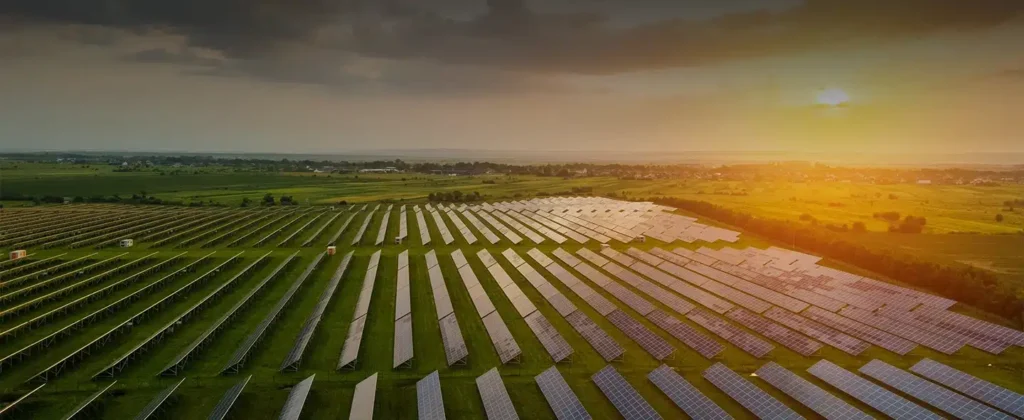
(396,396)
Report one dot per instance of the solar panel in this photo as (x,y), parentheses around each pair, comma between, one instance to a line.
(459,258)
(651,342)
(296,399)
(560,397)
(926,338)
(424,230)
(403,341)
(970,385)
(220,411)
(363,398)
(497,403)
(562,304)
(513,257)
(817,331)
(598,339)
(869,393)
(157,401)
(737,336)
(455,350)
(566,257)
(486,258)
(686,396)
(865,332)
(539,256)
(592,256)
(623,396)
(429,403)
(504,343)
(549,337)
(694,339)
(810,395)
(939,397)
(747,394)
(350,350)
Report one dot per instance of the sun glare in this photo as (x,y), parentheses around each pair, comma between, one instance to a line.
(833,97)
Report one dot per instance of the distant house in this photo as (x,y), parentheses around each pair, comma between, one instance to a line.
(924,182)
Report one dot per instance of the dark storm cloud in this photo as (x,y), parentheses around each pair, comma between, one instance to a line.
(164,55)
(511,35)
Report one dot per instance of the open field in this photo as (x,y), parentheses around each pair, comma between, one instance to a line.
(225,233)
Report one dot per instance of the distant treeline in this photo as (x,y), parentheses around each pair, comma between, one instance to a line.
(965,284)
(133,199)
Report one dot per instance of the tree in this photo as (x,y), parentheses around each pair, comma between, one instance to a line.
(246,201)
(859,227)
(999,217)
(268,200)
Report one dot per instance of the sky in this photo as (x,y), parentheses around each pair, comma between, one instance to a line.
(332,76)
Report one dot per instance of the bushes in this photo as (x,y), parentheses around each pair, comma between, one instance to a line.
(910,224)
(966,284)
(891,216)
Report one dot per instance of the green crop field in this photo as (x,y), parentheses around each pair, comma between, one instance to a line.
(139,381)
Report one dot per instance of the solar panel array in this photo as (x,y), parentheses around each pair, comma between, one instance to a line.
(429,403)
(292,360)
(925,338)
(223,407)
(497,404)
(544,230)
(622,395)
(518,227)
(403,226)
(461,227)
(362,229)
(955,404)
(780,334)
(747,342)
(926,321)
(157,402)
(869,393)
(403,352)
(362,399)
(553,342)
(686,396)
(504,343)
(480,226)
(865,332)
(747,394)
(421,223)
(817,331)
(827,405)
(696,340)
(350,350)
(382,233)
(455,349)
(972,386)
(296,399)
(560,397)
(504,230)
(649,341)
(442,228)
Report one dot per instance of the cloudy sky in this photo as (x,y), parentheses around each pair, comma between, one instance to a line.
(613,75)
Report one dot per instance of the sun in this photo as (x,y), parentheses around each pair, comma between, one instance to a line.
(833,97)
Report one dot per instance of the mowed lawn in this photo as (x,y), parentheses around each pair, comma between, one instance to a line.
(396,395)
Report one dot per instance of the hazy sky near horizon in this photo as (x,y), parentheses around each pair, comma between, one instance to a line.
(331,76)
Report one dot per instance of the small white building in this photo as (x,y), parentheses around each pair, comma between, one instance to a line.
(127,243)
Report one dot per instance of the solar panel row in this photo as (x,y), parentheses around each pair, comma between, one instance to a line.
(782,335)
(623,396)
(810,395)
(955,404)
(869,393)
(751,397)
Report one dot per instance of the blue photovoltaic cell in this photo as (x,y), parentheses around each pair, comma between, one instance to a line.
(560,397)
(827,405)
(755,400)
(870,393)
(686,396)
(622,395)
(972,386)
(939,397)
(429,403)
